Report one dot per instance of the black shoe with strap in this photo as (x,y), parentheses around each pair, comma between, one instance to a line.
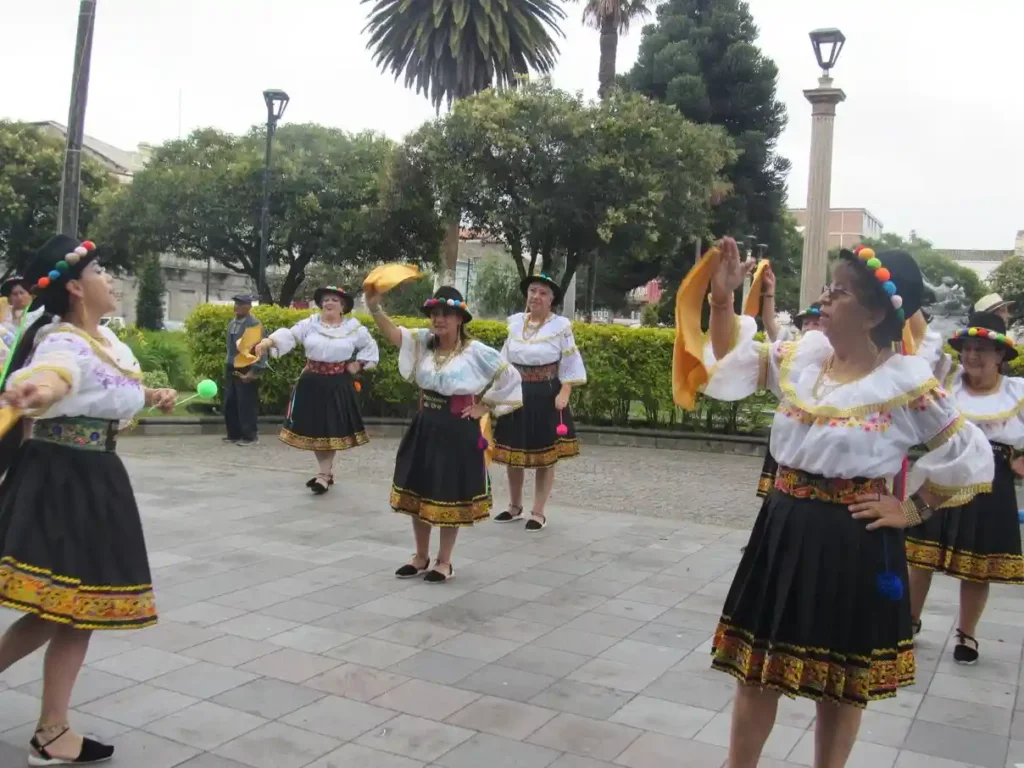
(510,515)
(964,653)
(91,752)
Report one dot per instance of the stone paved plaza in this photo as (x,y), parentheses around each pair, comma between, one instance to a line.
(285,642)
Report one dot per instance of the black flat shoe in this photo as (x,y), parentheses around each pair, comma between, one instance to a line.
(92,752)
(963,653)
(411,570)
(508,516)
(435,576)
(320,485)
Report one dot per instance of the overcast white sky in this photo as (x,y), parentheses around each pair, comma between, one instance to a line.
(930,137)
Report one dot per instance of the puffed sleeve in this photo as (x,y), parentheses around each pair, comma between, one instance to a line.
(505,392)
(959,463)
(570,368)
(414,346)
(286,339)
(65,354)
(753,365)
(367,351)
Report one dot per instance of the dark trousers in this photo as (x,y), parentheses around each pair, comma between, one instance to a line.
(241,405)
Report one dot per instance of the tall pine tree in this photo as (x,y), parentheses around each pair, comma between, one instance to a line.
(149,301)
(701,57)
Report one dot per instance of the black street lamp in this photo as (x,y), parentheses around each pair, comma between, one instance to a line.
(276,101)
(828,43)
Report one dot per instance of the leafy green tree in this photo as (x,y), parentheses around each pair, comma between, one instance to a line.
(1008,279)
(329,203)
(496,291)
(31,165)
(149,300)
(701,56)
(612,18)
(624,181)
(451,49)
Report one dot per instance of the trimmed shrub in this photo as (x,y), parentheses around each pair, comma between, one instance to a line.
(628,371)
(166,352)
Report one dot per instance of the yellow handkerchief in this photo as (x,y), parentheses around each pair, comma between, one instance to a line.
(688,372)
(250,338)
(387,276)
(752,305)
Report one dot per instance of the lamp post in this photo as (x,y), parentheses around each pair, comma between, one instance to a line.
(276,101)
(67,216)
(828,43)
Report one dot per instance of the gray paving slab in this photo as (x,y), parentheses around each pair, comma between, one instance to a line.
(285,642)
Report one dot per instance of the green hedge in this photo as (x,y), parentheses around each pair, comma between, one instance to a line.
(628,370)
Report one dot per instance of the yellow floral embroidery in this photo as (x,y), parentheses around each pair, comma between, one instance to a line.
(303,443)
(441,514)
(1003,568)
(545,457)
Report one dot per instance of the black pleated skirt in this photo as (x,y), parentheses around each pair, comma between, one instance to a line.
(805,615)
(440,471)
(71,544)
(979,541)
(323,414)
(528,437)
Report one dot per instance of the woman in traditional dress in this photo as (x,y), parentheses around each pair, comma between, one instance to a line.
(323,415)
(72,552)
(979,542)
(15,290)
(541,346)
(817,607)
(440,472)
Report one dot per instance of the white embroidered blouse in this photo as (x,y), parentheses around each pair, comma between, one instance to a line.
(104,378)
(863,428)
(553,342)
(476,370)
(328,343)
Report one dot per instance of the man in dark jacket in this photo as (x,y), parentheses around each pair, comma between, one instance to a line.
(241,392)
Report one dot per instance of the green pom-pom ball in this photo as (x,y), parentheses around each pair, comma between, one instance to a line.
(874,263)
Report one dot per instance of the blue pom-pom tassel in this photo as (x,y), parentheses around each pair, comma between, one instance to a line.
(890,586)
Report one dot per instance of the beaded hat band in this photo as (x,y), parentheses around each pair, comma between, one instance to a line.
(435,302)
(984,333)
(883,276)
(62,267)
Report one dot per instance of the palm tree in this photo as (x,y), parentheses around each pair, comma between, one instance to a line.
(451,49)
(612,18)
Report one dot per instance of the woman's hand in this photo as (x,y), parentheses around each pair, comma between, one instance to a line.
(372,298)
(562,400)
(353,367)
(476,411)
(882,510)
(262,347)
(163,399)
(729,272)
(1017,465)
(769,282)
(30,395)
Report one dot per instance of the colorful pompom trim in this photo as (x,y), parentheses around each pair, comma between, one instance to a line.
(62,267)
(883,276)
(445,303)
(985,333)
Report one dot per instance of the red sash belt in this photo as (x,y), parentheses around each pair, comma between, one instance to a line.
(455,403)
(328,369)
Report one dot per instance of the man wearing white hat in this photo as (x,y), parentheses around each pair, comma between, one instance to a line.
(995,304)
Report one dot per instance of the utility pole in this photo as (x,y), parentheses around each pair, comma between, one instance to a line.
(69,186)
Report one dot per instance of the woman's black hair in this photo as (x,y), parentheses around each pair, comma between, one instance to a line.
(871,294)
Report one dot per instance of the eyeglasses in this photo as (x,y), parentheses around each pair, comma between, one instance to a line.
(833,290)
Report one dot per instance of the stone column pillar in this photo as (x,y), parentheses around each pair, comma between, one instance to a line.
(569,300)
(823,100)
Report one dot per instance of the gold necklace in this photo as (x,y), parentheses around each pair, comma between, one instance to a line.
(440,362)
(530,329)
(822,389)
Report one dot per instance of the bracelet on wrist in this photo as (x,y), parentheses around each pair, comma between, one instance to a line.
(720,304)
(767,295)
(911,513)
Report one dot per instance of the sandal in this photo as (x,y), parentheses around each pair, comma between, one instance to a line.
(964,653)
(410,570)
(916,626)
(509,515)
(321,484)
(536,523)
(313,480)
(434,576)
(91,752)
